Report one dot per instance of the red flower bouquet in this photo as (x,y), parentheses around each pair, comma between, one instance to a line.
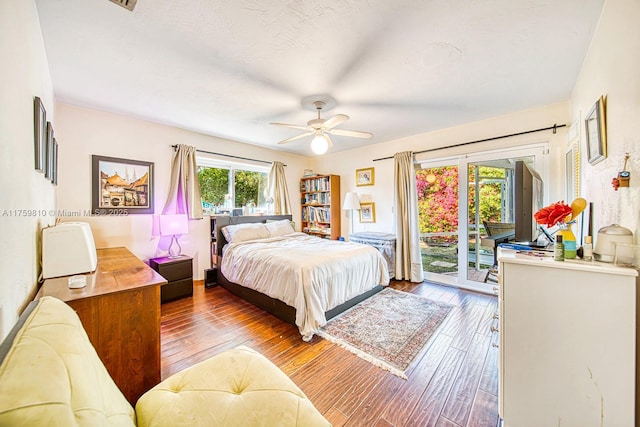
(553,214)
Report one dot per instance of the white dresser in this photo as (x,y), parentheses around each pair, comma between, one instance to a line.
(568,343)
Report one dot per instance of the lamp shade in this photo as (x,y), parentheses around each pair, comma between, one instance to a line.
(171,225)
(351,201)
(319,144)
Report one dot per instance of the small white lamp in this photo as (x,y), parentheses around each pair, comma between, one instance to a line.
(174,225)
(352,203)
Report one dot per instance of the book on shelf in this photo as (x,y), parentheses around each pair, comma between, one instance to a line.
(317,229)
(317,199)
(316,184)
(316,214)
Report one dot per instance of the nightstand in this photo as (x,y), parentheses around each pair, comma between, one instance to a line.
(179,274)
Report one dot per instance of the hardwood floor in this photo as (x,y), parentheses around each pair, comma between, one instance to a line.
(453,383)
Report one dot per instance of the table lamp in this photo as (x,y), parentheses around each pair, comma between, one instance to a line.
(174,225)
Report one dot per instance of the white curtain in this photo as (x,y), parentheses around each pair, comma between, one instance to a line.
(408,257)
(278,191)
(184,191)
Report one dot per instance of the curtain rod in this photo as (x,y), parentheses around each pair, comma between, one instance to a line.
(554,127)
(175,147)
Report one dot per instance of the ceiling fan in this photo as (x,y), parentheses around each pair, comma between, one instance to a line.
(321,129)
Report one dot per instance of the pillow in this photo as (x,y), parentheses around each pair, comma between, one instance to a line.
(243,232)
(292,222)
(279,228)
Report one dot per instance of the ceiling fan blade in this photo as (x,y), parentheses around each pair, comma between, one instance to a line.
(352,133)
(293,138)
(335,121)
(292,126)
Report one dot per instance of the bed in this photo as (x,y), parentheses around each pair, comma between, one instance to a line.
(301,279)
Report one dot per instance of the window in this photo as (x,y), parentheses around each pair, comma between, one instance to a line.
(227,187)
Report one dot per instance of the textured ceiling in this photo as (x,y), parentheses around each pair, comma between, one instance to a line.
(397,67)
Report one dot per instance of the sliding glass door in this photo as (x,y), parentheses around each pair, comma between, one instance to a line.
(461,201)
(438,216)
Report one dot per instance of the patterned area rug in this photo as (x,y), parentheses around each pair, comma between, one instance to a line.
(389,329)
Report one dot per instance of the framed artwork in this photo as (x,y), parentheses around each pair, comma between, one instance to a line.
(48,153)
(365,177)
(121,186)
(596,132)
(368,212)
(54,173)
(39,133)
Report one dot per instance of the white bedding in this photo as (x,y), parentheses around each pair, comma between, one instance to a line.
(312,275)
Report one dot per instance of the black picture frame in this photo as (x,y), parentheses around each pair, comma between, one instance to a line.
(54,173)
(121,186)
(596,132)
(39,133)
(48,153)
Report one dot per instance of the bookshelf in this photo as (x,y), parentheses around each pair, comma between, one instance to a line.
(320,205)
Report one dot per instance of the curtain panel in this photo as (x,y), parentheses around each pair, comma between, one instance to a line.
(184,190)
(408,256)
(278,191)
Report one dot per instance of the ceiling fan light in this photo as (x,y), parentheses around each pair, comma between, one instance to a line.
(319,144)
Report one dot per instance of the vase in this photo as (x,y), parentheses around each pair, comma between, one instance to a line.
(568,239)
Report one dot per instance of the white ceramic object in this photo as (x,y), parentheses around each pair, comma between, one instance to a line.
(608,238)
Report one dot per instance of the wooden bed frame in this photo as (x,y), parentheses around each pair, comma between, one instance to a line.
(271,305)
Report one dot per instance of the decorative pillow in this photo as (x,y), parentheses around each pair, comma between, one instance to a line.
(243,232)
(279,228)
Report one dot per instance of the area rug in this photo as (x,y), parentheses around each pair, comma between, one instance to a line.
(389,329)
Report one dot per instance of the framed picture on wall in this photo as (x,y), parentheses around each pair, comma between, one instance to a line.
(121,186)
(39,133)
(54,173)
(368,212)
(48,153)
(365,177)
(596,132)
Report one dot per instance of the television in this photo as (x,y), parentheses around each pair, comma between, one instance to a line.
(528,199)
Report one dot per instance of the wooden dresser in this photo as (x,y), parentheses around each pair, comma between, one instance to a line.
(120,310)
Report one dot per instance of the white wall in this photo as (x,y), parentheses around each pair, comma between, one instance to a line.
(24,74)
(82,132)
(611,68)
(345,163)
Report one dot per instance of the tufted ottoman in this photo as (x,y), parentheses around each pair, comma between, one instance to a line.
(239,387)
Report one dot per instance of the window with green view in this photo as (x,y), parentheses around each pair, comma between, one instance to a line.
(225,188)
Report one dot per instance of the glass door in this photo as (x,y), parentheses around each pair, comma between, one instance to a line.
(438,216)
(491,214)
(476,191)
